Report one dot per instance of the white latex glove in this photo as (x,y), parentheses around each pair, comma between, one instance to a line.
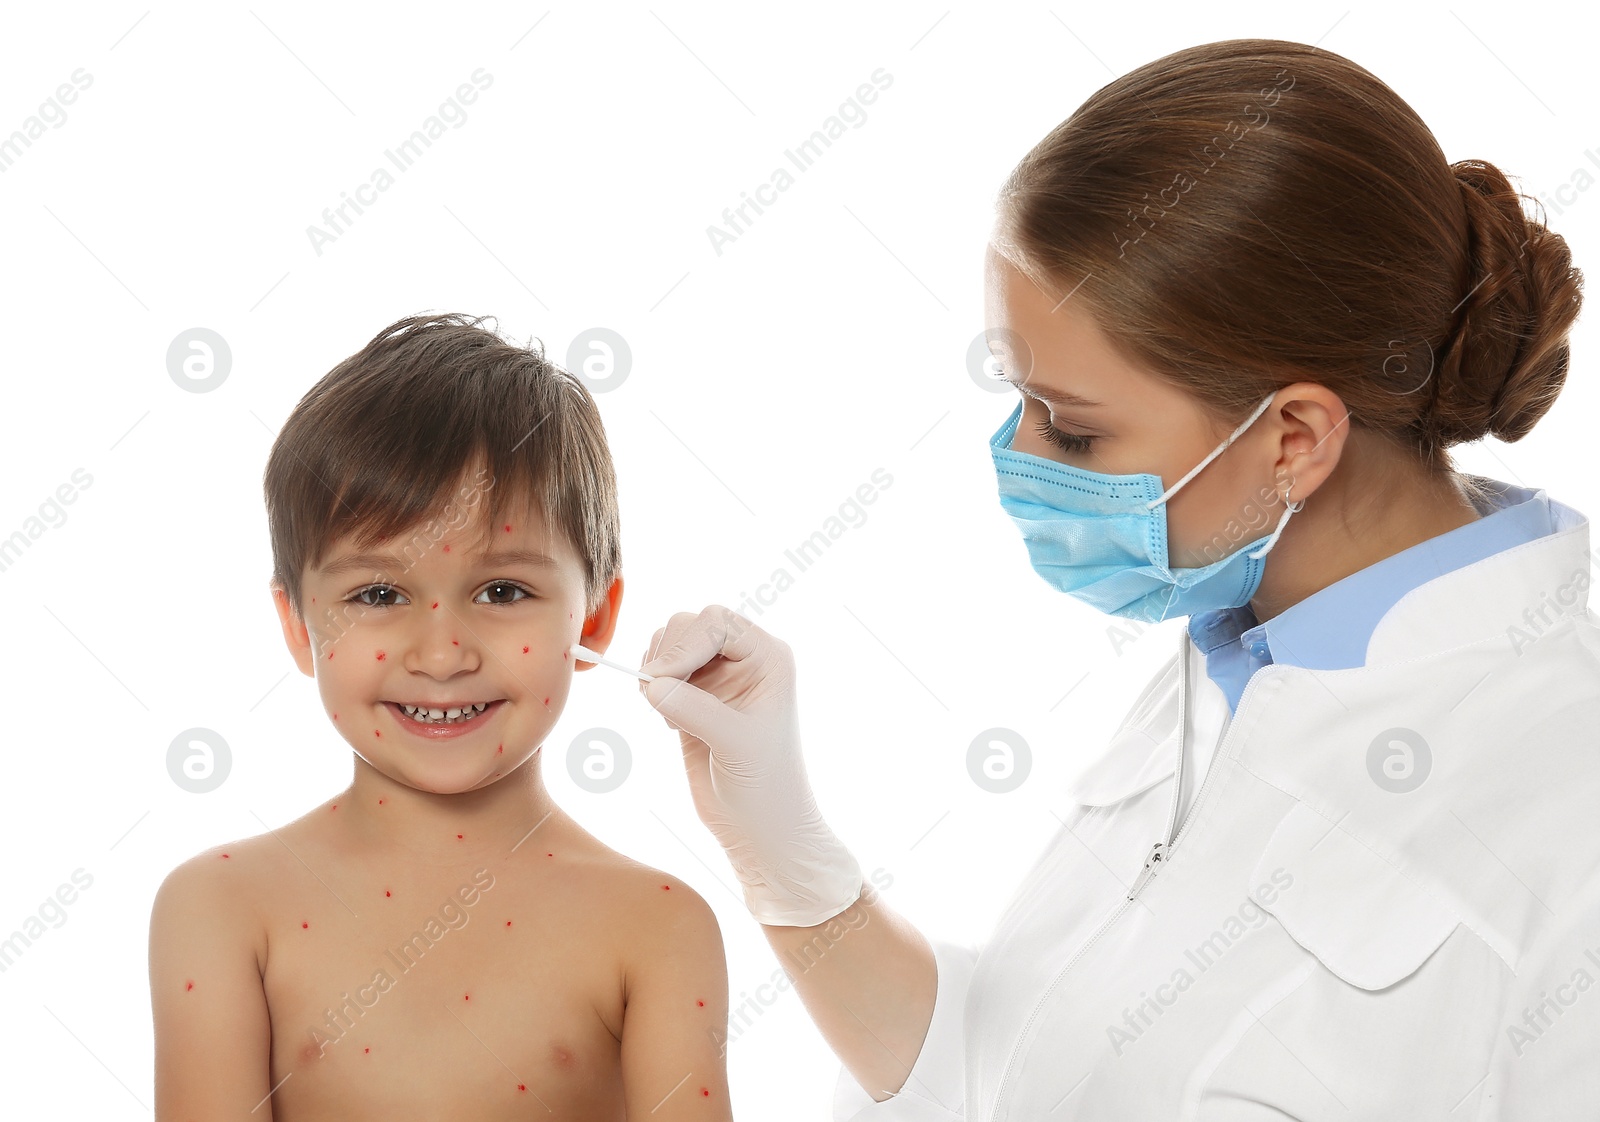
(728,687)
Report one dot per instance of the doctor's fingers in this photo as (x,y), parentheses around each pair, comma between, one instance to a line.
(689,641)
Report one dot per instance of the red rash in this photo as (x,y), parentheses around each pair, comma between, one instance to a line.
(188,986)
(382,656)
(525,651)
(508,529)
(305,925)
(698,1002)
(455,643)
(666,888)
(386,892)
(436,603)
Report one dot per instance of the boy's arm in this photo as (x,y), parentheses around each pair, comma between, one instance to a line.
(675,1017)
(213,1038)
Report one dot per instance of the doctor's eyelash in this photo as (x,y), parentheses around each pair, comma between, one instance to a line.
(1066,441)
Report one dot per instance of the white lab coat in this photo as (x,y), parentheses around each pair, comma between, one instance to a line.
(1317,946)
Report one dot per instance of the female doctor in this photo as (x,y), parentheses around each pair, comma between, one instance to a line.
(1339,860)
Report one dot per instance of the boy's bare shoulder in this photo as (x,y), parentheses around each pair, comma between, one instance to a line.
(647,903)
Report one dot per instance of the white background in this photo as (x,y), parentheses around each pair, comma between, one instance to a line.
(768,383)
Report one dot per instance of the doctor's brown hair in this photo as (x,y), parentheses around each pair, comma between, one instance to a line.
(439,422)
(1242,215)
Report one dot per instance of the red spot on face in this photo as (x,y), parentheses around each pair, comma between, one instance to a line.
(188,986)
(697,1001)
(525,651)
(549,854)
(330,654)
(508,923)
(364,1051)
(382,656)
(498,748)
(380,802)
(375,732)
(460,835)
(466,997)
(304,925)
(386,892)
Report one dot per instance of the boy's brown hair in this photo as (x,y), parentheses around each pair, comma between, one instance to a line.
(433,409)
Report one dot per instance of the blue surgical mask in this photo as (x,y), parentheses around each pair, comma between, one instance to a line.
(1103,538)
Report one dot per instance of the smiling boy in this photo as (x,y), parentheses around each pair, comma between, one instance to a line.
(439,939)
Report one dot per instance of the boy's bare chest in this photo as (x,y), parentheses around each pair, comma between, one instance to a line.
(477,993)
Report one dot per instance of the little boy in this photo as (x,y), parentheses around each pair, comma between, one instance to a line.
(439,939)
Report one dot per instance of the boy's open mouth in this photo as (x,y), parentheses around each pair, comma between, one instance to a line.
(451,715)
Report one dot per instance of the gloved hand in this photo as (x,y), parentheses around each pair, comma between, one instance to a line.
(728,687)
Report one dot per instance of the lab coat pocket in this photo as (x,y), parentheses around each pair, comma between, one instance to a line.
(1363,918)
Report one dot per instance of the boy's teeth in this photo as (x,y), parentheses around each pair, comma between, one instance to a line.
(444,715)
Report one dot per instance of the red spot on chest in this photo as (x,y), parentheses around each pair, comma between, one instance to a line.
(386,892)
(525,651)
(447,549)
(698,1002)
(666,888)
(382,656)
(188,986)
(508,529)
(303,924)
(436,603)
(455,642)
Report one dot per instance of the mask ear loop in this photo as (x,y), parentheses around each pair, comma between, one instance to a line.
(1215,452)
(1288,509)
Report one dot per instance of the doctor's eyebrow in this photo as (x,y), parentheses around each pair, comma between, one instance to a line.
(1063,398)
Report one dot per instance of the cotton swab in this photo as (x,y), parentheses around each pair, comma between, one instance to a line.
(586,655)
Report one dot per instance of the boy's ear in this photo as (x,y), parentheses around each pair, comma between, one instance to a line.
(294,632)
(599,627)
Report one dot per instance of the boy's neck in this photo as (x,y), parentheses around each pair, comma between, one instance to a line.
(496,822)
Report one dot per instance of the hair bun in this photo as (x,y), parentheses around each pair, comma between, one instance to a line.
(1505,357)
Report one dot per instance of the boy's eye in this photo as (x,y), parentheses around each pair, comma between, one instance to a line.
(380,590)
(504,586)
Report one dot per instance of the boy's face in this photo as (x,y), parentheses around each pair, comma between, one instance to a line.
(427,620)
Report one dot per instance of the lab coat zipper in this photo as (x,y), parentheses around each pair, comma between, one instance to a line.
(1161,851)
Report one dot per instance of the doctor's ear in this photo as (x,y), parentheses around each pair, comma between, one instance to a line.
(1309,425)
